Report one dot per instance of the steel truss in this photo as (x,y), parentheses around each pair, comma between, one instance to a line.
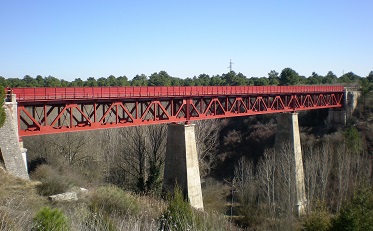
(42,116)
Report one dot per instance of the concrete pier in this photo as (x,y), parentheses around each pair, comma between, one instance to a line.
(339,116)
(288,134)
(11,151)
(181,163)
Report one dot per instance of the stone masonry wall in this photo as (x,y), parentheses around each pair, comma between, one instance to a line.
(10,147)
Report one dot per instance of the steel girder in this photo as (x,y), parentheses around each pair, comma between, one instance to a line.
(36,117)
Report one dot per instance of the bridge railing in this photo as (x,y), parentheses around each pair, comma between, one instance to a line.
(84,93)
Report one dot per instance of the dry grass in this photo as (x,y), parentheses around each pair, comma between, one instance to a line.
(20,202)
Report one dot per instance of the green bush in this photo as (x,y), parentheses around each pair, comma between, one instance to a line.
(52,181)
(111,199)
(179,214)
(317,221)
(50,219)
(357,215)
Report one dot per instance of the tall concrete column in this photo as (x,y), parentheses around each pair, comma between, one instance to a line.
(181,163)
(288,134)
(11,151)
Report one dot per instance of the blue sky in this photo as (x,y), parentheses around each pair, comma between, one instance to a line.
(80,39)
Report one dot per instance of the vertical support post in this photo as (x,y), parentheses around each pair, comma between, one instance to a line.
(181,163)
(288,134)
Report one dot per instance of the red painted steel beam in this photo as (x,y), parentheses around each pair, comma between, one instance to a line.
(55,110)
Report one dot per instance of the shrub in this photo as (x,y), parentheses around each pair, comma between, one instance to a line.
(52,181)
(50,219)
(357,215)
(179,214)
(111,199)
(317,221)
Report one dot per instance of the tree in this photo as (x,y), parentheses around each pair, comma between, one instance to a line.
(40,81)
(51,81)
(3,81)
(203,80)
(188,82)
(349,78)
(353,140)
(134,156)
(207,140)
(330,78)
(71,146)
(233,79)
(273,78)
(370,77)
(139,80)
(289,77)
(266,179)
(176,81)
(159,79)
(77,83)
(156,148)
(122,81)
(357,215)
(262,81)
(29,81)
(111,81)
(314,79)
(142,157)
(216,80)
(91,82)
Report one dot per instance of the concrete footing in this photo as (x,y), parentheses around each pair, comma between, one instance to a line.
(181,164)
(288,135)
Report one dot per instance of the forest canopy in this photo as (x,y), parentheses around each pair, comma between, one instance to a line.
(287,76)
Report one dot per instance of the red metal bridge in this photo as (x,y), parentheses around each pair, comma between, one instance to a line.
(55,110)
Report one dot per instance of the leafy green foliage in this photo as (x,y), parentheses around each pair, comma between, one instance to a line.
(357,215)
(353,139)
(113,200)
(179,214)
(50,219)
(289,77)
(349,77)
(159,79)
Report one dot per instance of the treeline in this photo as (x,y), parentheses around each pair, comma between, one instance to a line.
(287,76)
